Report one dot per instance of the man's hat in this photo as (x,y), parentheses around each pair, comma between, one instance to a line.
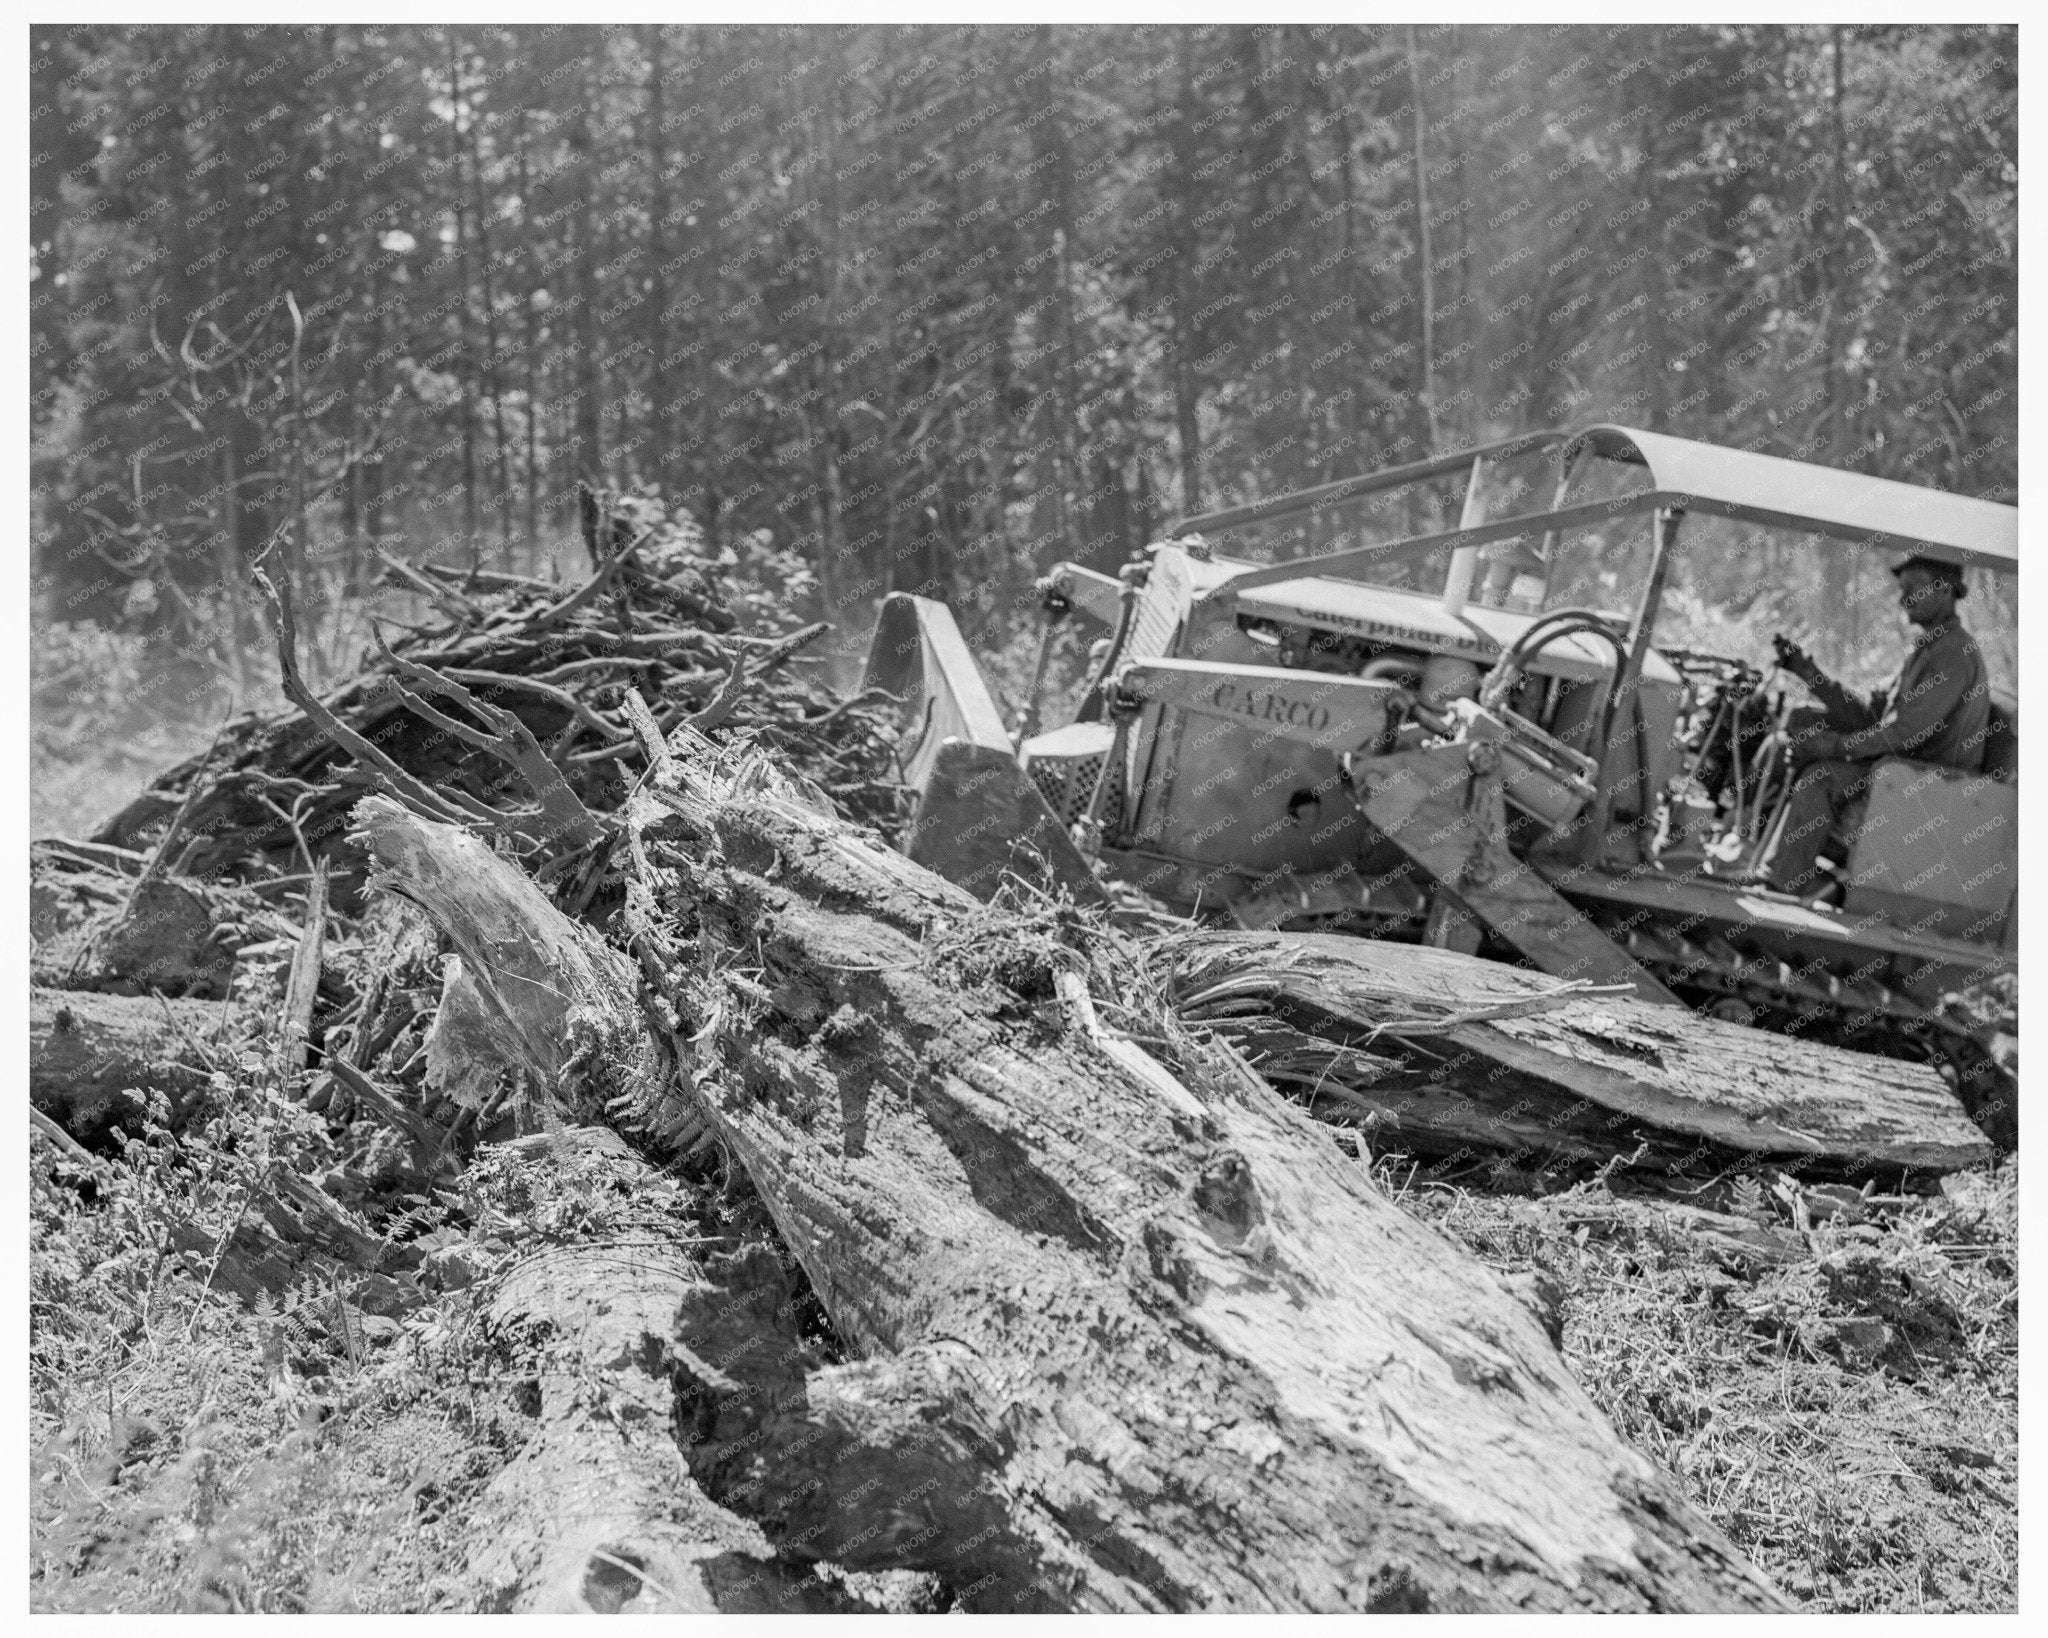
(1952,573)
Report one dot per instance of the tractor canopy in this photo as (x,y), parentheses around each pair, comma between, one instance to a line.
(1784,494)
(1683,475)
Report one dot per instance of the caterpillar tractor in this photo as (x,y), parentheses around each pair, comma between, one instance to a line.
(1302,715)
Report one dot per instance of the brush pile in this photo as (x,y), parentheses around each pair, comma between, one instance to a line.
(517,686)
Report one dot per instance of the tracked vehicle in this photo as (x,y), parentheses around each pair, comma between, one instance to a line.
(1304,717)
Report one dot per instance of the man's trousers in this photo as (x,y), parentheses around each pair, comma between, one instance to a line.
(1819,794)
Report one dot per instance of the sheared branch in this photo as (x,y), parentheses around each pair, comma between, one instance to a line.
(458,809)
(303,986)
(559,819)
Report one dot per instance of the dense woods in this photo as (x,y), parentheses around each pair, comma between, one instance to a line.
(930,308)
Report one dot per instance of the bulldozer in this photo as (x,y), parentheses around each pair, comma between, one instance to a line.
(1303,713)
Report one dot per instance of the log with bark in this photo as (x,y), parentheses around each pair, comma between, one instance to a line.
(1128,1330)
(598,1511)
(1442,1054)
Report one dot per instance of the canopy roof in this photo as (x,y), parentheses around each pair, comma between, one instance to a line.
(1767,489)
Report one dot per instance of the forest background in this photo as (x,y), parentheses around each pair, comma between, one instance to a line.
(924,308)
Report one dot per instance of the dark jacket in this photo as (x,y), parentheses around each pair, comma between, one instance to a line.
(1937,710)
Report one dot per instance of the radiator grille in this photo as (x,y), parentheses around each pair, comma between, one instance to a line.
(1067,783)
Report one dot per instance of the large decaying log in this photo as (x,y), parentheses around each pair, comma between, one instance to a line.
(598,1511)
(89,1055)
(1122,1344)
(1579,1078)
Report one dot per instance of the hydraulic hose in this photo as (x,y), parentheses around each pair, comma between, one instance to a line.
(1544,631)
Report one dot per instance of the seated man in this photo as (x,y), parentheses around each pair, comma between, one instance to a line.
(1935,711)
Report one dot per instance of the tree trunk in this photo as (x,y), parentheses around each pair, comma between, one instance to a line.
(1186,338)
(228,573)
(531,351)
(1426,289)
(1841,570)
(491,385)
(1572,1079)
(598,1512)
(1129,1337)
(1067,473)
(655,142)
(589,422)
(466,369)
(833,575)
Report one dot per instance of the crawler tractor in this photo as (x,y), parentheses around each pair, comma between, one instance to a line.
(1301,715)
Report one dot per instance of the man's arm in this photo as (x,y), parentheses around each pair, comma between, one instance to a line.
(1846,713)
(1927,697)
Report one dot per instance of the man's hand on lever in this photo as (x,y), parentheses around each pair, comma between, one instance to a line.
(1796,660)
(1807,740)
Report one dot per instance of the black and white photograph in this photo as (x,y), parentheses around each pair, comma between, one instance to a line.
(1005,815)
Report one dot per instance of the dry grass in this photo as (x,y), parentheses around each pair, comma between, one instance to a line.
(1850,1418)
(190,1455)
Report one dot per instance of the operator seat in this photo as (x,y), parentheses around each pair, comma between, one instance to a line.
(1939,847)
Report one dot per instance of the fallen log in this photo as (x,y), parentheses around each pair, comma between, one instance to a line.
(285,1229)
(90,1054)
(598,1511)
(93,1062)
(1113,1354)
(1505,1063)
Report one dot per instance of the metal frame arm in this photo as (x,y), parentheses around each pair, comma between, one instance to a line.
(1356,559)
(1393,477)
